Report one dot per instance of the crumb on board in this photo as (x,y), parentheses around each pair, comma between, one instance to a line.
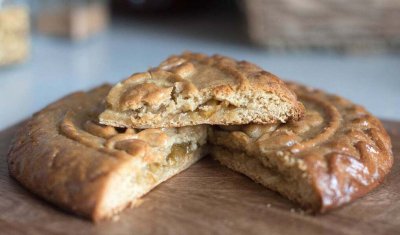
(115,218)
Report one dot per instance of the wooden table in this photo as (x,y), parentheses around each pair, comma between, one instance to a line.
(206,199)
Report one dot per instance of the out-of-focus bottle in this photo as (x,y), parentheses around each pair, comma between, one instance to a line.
(14,32)
(74,19)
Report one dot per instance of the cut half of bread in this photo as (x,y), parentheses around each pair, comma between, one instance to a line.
(192,89)
(63,155)
(336,153)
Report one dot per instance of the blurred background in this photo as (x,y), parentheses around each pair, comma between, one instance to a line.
(49,48)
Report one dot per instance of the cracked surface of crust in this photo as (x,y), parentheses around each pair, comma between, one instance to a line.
(191,89)
(63,155)
(335,154)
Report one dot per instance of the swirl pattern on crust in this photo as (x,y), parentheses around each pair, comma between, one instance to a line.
(150,145)
(63,155)
(339,150)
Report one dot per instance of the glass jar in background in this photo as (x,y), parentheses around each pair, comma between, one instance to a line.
(14,32)
(74,19)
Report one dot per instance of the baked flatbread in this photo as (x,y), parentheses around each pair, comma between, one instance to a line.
(192,89)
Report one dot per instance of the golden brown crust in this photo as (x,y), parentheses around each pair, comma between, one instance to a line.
(64,156)
(340,149)
(180,87)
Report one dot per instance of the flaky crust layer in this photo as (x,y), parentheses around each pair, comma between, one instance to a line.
(192,89)
(338,149)
(64,156)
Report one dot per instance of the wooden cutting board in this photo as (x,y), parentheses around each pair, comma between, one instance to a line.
(206,199)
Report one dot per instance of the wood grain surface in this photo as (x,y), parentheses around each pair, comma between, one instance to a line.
(206,199)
